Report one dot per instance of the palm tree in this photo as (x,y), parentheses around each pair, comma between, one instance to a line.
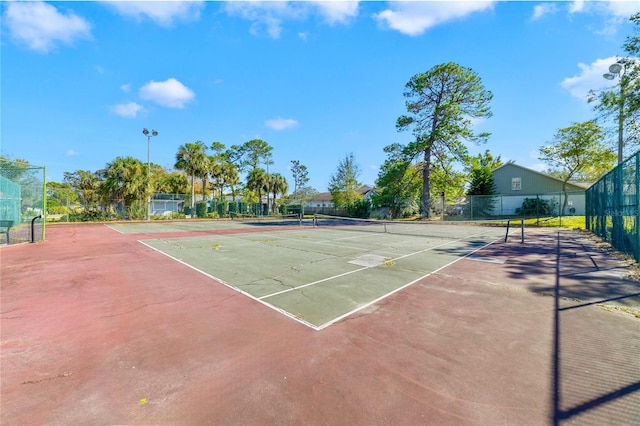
(125,178)
(278,185)
(256,180)
(191,158)
(204,174)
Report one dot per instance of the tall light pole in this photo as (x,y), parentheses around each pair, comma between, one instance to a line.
(149,135)
(618,70)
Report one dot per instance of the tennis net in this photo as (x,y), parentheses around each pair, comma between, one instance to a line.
(274,220)
(447,230)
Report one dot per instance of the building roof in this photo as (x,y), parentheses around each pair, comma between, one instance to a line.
(326,196)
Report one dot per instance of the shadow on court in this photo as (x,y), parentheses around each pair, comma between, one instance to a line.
(595,365)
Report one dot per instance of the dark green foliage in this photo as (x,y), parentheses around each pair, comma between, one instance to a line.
(201,209)
(360,208)
(536,207)
(344,184)
(89,216)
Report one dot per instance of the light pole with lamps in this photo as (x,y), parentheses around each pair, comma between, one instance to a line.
(618,70)
(149,135)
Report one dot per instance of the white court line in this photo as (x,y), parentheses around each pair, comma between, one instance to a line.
(120,232)
(333,321)
(366,305)
(282,311)
(347,238)
(362,269)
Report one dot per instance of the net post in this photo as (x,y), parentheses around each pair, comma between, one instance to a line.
(507,234)
(521,231)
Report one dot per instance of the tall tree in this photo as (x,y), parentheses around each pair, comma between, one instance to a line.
(399,183)
(191,158)
(575,148)
(13,169)
(480,169)
(300,176)
(86,184)
(482,183)
(256,180)
(125,179)
(441,104)
(278,185)
(251,154)
(344,184)
(172,183)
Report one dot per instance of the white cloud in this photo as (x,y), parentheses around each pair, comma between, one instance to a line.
(129,110)
(41,26)
(576,6)
(614,13)
(164,13)
(589,78)
(281,123)
(71,153)
(337,11)
(170,93)
(414,18)
(623,9)
(269,16)
(543,9)
(126,88)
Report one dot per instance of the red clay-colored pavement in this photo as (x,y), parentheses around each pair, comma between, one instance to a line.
(99,329)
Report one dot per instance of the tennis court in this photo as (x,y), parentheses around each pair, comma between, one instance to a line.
(316,271)
(99,328)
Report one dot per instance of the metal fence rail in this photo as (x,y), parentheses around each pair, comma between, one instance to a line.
(22,204)
(612,207)
(479,207)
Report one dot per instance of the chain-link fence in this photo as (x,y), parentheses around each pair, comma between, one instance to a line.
(22,204)
(612,207)
(67,205)
(532,206)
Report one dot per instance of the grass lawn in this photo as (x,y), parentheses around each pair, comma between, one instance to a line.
(575,222)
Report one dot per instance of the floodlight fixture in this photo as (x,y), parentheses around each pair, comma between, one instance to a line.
(146,132)
(615,68)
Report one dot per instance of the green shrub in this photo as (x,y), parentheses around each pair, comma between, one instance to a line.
(89,216)
(536,207)
(360,208)
(201,209)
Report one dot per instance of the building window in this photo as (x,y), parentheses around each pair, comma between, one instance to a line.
(516,184)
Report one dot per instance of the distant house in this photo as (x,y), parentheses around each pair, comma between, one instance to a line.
(512,179)
(167,204)
(516,183)
(324,199)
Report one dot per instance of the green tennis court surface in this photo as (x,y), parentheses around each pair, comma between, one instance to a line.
(317,275)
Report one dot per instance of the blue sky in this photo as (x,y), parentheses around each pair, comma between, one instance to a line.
(316,80)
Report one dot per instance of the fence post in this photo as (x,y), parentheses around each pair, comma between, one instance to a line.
(636,205)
